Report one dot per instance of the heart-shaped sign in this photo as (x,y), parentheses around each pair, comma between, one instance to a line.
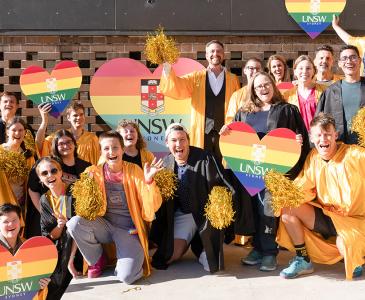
(124,88)
(58,88)
(250,158)
(314,16)
(20,274)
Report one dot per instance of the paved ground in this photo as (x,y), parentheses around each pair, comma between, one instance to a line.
(187,280)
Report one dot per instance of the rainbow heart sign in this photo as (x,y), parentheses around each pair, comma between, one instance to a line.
(20,274)
(314,16)
(250,158)
(124,88)
(57,88)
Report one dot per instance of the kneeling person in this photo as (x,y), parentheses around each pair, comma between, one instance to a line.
(330,225)
(181,222)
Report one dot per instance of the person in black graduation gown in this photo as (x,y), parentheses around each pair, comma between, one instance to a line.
(180,222)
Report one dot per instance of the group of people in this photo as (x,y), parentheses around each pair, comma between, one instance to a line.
(317,105)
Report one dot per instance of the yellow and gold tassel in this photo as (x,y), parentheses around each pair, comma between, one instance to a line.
(14,165)
(88,197)
(285,193)
(166,181)
(29,142)
(358,126)
(159,48)
(219,208)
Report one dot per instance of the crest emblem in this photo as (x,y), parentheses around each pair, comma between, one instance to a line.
(152,100)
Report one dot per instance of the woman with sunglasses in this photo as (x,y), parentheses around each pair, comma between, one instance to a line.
(65,150)
(14,189)
(56,209)
(265,110)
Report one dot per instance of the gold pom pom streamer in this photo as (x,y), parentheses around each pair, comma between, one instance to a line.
(14,165)
(166,181)
(159,48)
(284,192)
(29,142)
(88,197)
(358,126)
(219,208)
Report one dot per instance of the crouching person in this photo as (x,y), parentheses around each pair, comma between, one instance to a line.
(330,226)
(180,222)
(130,197)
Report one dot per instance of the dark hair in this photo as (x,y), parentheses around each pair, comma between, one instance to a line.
(253,59)
(252,102)
(9,94)
(324,48)
(280,58)
(8,208)
(112,134)
(305,58)
(214,42)
(50,159)
(75,105)
(351,47)
(16,120)
(59,134)
(140,141)
(323,120)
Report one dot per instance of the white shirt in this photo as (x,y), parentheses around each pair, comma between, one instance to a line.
(216,83)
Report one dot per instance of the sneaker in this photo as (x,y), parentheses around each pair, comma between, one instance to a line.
(97,269)
(357,272)
(204,261)
(268,263)
(252,259)
(297,266)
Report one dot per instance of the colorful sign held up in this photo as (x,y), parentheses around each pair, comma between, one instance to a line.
(314,16)
(57,88)
(124,88)
(20,274)
(250,158)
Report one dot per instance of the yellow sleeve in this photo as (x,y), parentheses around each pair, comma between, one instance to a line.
(47,146)
(235,102)
(307,178)
(177,87)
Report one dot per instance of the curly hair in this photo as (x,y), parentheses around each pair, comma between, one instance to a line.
(140,141)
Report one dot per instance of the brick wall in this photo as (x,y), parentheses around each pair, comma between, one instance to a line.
(90,52)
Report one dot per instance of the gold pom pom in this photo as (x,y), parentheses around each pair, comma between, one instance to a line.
(14,165)
(358,126)
(219,208)
(166,181)
(29,142)
(88,197)
(284,192)
(159,48)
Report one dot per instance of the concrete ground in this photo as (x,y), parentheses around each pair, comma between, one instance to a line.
(187,280)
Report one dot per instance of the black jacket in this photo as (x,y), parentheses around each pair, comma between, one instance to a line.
(203,173)
(331,102)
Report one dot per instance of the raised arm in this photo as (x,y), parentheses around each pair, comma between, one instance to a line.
(44,109)
(340,32)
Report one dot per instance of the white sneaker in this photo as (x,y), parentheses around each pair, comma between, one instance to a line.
(204,261)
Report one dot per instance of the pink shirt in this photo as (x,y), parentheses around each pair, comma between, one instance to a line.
(307,107)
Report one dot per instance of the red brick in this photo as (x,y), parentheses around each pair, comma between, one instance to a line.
(48,55)
(14,55)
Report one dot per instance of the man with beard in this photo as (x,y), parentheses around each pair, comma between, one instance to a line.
(210,90)
(324,62)
(345,97)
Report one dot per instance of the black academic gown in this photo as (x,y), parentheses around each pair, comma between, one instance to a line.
(203,174)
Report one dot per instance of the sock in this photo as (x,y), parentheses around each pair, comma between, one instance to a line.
(301,251)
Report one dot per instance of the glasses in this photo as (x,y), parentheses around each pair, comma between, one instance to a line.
(67,143)
(253,68)
(350,58)
(53,171)
(262,86)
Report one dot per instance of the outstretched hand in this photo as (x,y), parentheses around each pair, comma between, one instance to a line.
(44,109)
(150,169)
(225,130)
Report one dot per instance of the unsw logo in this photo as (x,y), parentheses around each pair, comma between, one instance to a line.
(152,100)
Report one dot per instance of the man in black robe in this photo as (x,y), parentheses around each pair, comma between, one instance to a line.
(181,222)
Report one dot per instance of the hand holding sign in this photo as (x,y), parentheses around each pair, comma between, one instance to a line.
(57,88)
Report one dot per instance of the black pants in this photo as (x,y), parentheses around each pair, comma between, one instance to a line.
(211,144)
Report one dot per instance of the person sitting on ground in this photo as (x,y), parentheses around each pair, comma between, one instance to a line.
(330,225)
(130,198)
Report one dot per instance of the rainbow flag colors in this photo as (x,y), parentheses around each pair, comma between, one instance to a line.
(57,88)
(20,274)
(314,16)
(250,158)
(124,88)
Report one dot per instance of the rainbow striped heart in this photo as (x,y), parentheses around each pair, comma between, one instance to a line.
(57,88)
(250,158)
(20,274)
(314,16)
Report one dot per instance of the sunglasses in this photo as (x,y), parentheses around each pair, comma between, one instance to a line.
(45,173)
